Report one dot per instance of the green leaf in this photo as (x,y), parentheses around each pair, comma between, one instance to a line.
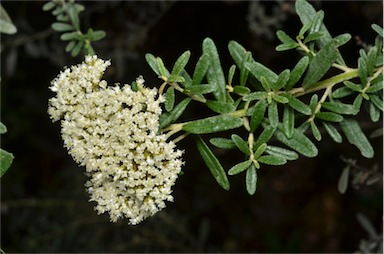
(161,67)
(288,121)
(6,160)
(315,131)
(363,70)
(152,62)
(371,59)
(329,116)
(240,143)
(200,69)
(341,39)
(272,160)
(297,72)
(49,6)
(97,35)
(377,101)
(223,143)
(353,86)
(200,89)
(175,79)
(281,152)
(215,74)
(343,181)
(6,25)
(279,98)
(241,90)
(332,132)
(320,64)
(76,50)
(357,137)
(255,96)
(260,150)
(338,107)
(220,106)
(251,179)
(313,102)
(212,163)
(378,29)
(260,71)
(57,26)
(68,36)
(342,92)
(237,52)
(240,167)
(357,102)
(180,63)
(244,72)
(317,22)
(213,124)
(299,142)
(258,115)
(3,128)
(231,73)
(312,37)
(79,8)
(288,42)
(74,16)
(281,80)
(298,105)
(374,112)
(273,114)
(375,87)
(170,117)
(169,102)
(264,137)
(70,46)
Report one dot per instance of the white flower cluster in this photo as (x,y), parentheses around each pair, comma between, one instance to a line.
(112,131)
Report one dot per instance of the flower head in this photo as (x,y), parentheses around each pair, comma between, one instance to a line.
(113,132)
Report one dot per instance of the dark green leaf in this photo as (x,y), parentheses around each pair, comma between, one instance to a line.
(180,63)
(279,98)
(240,167)
(317,22)
(342,92)
(258,70)
(357,137)
(170,117)
(288,121)
(297,72)
(251,179)
(255,96)
(288,42)
(298,105)
(299,142)
(3,128)
(241,90)
(258,115)
(223,143)
(76,50)
(281,80)
(343,180)
(169,102)
(260,150)
(6,159)
(215,75)
(332,132)
(315,131)
(338,107)
(220,106)
(175,79)
(272,160)
(342,39)
(374,112)
(243,70)
(213,124)
(353,86)
(378,29)
(212,163)
(273,114)
(377,101)
(61,27)
(240,143)
(281,152)
(200,69)
(304,29)
(62,18)
(320,64)
(312,37)
(357,102)
(363,70)
(151,60)
(283,47)
(231,73)
(375,87)
(313,102)
(237,52)
(200,89)
(161,67)
(264,137)
(329,116)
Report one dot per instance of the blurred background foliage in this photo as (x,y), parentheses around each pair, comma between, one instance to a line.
(297,207)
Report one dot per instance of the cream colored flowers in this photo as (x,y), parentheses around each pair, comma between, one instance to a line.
(112,131)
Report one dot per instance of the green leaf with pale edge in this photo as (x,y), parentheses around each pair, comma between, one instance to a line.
(258,115)
(213,164)
(200,69)
(299,142)
(251,179)
(288,42)
(320,64)
(6,159)
(339,108)
(260,150)
(378,29)
(313,102)
(3,128)
(329,116)
(180,63)
(215,74)
(343,180)
(375,87)
(244,72)
(315,131)
(237,52)
(231,73)
(224,143)
(200,89)
(353,86)
(317,22)
(279,98)
(220,106)
(160,65)
(265,136)
(213,124)
(272,160)
(375,99)
(374,112)
(169,102)
(297,72)
(363,70)
(151,60)
(281,152)
(357,137)
(357,102)
(260,71)
(332,132)
(341,39)
(62,27)
(255,96)
(240,143)
(170,117)
(312,37)
(298,105)
(342,92)
(288,121)
(241,90)
(240,167)
(273,114)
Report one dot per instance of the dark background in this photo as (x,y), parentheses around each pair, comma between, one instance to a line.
(296,208)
